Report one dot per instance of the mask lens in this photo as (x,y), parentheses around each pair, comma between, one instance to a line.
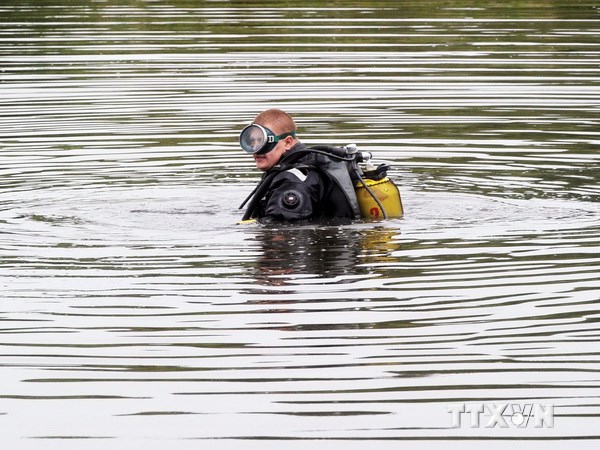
(253,138)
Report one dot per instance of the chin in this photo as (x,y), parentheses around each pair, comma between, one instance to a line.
(261,163)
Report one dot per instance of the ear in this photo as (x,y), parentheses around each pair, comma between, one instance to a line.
(289,142)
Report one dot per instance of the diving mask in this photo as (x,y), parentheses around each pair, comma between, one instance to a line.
(256,139)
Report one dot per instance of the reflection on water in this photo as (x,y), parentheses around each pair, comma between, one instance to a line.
(319,250)
(136,312)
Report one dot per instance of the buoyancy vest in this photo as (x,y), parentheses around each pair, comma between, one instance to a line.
(338,173)
(340,195)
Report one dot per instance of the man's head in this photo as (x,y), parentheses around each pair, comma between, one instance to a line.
(280,123)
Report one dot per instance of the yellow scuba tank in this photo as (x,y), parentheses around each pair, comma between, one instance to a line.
(388,194)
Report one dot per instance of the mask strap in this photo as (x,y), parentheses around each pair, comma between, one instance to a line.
(281,136)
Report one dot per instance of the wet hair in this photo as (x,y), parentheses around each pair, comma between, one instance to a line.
(277,120)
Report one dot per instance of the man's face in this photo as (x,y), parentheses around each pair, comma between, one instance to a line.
(268,160)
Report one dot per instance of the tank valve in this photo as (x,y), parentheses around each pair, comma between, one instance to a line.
(351,149)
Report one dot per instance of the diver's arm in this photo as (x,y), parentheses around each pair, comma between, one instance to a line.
(294,195)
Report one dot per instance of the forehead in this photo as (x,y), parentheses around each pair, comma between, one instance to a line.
(268,125)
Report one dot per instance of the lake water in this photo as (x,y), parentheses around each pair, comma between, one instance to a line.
(137,313)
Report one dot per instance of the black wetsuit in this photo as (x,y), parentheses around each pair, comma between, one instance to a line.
(305,185)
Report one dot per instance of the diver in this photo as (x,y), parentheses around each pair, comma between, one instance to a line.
(297,183)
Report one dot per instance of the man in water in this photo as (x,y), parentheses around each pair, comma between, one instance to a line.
(299,183)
